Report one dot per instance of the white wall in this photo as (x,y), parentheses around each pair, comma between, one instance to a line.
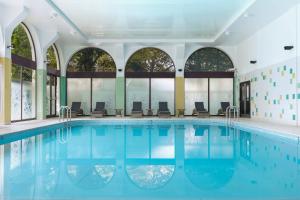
(275,76)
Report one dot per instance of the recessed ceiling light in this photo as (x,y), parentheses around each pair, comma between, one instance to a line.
(246,15)
(227,32)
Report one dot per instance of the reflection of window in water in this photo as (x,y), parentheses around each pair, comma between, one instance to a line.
(245,145)
(90,176)
(209,174)
(150,176)
(21,152)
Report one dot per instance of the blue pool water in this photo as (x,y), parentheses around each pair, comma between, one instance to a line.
(148,160)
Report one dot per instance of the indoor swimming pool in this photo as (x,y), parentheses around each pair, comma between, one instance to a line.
(143,159)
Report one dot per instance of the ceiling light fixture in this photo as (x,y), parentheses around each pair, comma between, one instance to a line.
(11,47)
(227,32)
(288,47)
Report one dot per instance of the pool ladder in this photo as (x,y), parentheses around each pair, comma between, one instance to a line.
(236,113)
(63,134)
(65,110)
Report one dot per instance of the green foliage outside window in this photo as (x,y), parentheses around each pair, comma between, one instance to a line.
(51,58)
(91,60)
(150,60)
(208,60)
(21,43)
(21,47)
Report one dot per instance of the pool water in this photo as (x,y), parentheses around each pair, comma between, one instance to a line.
(151,160)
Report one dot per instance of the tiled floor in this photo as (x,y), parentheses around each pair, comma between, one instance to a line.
(285,129)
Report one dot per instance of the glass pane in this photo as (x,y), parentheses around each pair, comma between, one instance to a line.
(137,90)
(51,58)
(57,94)
(21,42)
(221,90)
(162,89)
(48,87)
(16,93)
(53,108)
(104,91)
(196,90)
(79,90)
(28,93)
(91,60)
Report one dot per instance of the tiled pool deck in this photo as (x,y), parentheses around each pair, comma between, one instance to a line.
(25,125)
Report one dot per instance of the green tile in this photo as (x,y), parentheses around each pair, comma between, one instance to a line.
(274,84)
(274,102)
(294,117)
(287,97)
(291,70)
(299,96)
(298,85)
(294,96)
(284,67)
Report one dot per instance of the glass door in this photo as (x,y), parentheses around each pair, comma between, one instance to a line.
(51,95)
(245,99)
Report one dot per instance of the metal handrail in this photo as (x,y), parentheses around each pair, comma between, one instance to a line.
(236,114)
(63,138)
(62,111)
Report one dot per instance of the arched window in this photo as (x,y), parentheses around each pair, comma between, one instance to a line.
(23,106)
(53,74)
(91,76)
(150,76)
(150,60)
(208,60)
(208,80)
(91,60)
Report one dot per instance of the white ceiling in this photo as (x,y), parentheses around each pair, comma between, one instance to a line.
(149,19)
(92,22)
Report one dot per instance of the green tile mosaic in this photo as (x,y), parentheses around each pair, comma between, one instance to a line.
(267,85)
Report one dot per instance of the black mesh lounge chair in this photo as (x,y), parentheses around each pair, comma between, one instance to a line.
(100,110)
(137,110)
(76,109)
(200,110)
(224,106)
(163,110)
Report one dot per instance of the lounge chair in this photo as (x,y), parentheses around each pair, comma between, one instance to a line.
(76,109)
(224,106)
(100,110)
(137,109)
(163,110)
(199,110)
